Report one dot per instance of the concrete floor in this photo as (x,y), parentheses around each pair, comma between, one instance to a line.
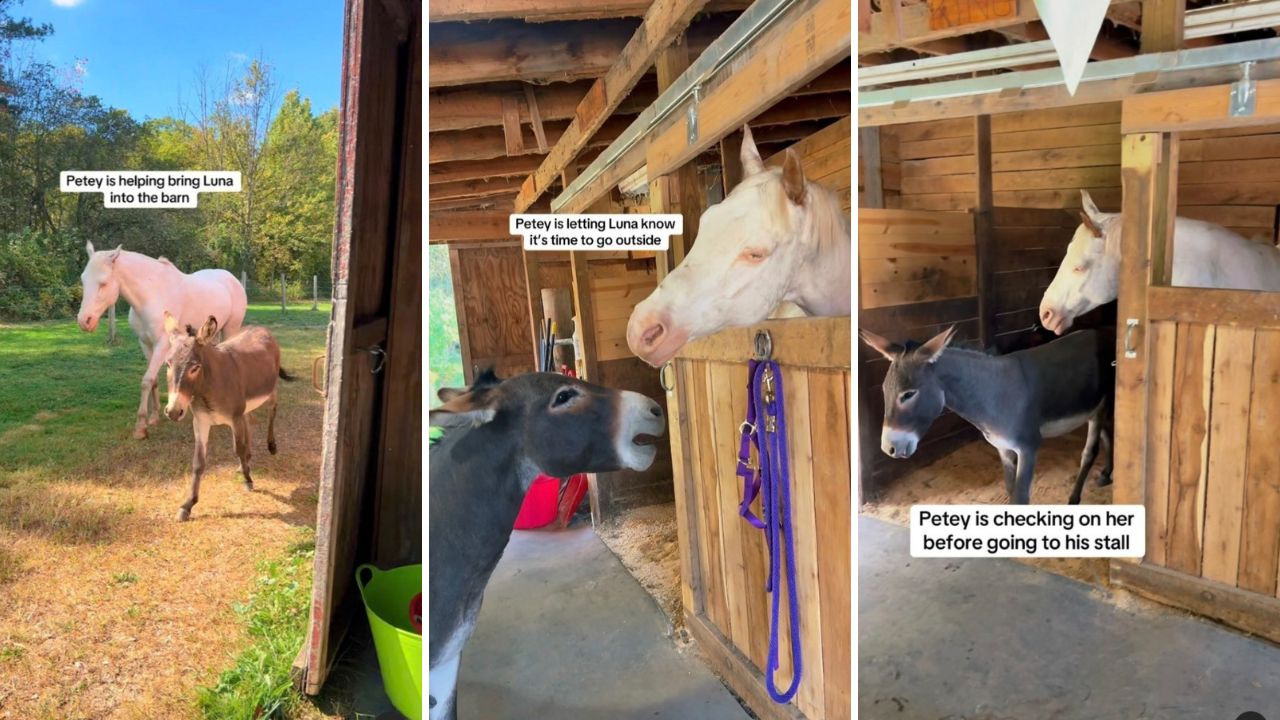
(991,639)
(567,632)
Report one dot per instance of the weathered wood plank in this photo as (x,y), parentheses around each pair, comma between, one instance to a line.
(1228,453)
(1260,529)
(1159,439)
(1248,611)
(1188,463)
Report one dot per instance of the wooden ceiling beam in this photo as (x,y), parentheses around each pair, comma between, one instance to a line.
(908,26)
(487,143)
(499,167)
(462,227)
(465,54)
(469,108)
(665,20)
(474,188)
(1105,47)
(497,202)
(549,10)
(802,109)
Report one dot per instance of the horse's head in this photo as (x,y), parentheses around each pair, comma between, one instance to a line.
(186,362)
(913,396)
(1090,273)
(561,424)
(101,289)
(740,267)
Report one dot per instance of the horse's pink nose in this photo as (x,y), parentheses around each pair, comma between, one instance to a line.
(1046,317)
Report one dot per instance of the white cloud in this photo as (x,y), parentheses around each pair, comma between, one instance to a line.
(236,56)
(67,3)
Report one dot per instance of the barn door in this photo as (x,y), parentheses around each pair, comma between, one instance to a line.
(1198,390)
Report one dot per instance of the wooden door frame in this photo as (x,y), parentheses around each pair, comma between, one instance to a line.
(1150,124)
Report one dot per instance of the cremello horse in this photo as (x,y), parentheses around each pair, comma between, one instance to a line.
(776,238)
(1204,255)
(151,287)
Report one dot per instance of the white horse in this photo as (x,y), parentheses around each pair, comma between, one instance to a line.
(1204,255)
(776,238)
(151,287)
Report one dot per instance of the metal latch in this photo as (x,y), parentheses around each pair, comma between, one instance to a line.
(691,116)
(1129,350)
(1244,92)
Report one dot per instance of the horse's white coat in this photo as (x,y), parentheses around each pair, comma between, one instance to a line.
(1204,255)
(151,287)
(755,250)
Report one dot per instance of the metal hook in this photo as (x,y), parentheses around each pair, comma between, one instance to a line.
(380,357)
(763,345)
(662,377)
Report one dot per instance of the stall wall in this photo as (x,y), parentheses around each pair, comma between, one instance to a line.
(491,299)
(824,156)
(1044,158)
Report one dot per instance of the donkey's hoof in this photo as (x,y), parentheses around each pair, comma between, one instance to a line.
(184,515)
(1075,500)
(1104,479)
(271,447)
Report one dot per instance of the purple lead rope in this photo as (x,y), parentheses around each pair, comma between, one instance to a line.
(766,428)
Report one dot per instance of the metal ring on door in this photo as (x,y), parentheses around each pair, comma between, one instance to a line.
(662,376)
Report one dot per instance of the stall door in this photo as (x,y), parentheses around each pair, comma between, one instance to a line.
(1198,395)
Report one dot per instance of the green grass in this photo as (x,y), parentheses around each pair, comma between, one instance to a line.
(66,396)
(258,685)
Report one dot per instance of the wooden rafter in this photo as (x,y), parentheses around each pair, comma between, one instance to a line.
(460,109)
(1105,47)
(462,54)
(485,143)
(908,26)
(662,23)
(548,10)
(459,227)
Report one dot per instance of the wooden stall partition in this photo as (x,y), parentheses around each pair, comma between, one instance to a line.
(1027,246)
(917,276)
(725,560)
(1196,406)
(491,297)
(824,156)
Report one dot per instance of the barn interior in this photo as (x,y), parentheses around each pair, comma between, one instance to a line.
(556,106)
(972,156)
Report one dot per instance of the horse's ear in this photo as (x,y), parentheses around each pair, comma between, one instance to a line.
(1089,223)
(88,246)
(170,323)
(793,177)
(1091,210)
(468,409)
(882,345)
(115,253)
(749,155)
(932,350)
(208,330)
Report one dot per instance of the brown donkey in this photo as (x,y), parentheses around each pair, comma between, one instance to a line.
(221,384)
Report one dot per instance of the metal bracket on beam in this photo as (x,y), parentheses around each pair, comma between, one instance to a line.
(691,116)
(1244,92)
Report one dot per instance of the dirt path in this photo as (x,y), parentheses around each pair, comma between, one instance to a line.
(118,611)
(972,476)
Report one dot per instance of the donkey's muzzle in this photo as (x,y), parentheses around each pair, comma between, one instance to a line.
(900,444)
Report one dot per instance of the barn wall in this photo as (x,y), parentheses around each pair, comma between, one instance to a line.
(1044,158)
(824,156)
(491,297)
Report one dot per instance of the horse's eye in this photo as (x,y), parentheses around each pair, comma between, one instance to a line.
(906,396)
(1079,269)
(563,397)
(754,255)
(193,369)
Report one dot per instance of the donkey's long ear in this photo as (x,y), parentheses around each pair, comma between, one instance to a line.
(881,345)
(793,177)
(446,394)
(170,323)
(932,350)
(468,409)
(749,155)
(208,330)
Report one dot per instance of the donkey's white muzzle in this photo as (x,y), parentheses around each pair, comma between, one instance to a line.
(640,423)
(897,443)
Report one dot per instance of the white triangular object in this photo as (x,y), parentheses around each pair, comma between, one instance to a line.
(1073,27)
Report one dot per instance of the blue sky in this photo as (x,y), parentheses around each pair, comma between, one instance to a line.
(142,55)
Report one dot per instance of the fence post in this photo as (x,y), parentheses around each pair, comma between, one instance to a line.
(284,298)
(111,326)
(244,281)
(315,292)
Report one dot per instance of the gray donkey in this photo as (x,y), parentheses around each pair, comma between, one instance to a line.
(501,435)
(1016,400)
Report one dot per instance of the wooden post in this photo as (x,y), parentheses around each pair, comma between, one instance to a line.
(1162,25)
(284,297)
(112,339)
(982,229)
(315,292)
(244,281)
(872,177)
(680,191)
(731,161)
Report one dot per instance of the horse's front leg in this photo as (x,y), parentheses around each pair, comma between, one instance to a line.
(200,426)
(158,354)
(240,429)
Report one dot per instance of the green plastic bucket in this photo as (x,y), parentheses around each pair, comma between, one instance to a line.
(387,595)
